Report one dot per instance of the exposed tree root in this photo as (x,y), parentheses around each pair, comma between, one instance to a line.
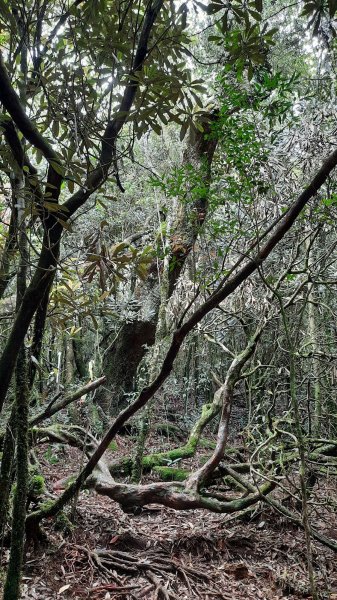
(151,566)
(171,494)
(180,495)
(160,591)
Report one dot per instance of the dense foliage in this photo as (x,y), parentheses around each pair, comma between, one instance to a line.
(168,253)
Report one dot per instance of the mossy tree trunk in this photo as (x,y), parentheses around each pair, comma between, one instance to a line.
(313,334)
(8,252)
(12,584)
(292,340)
(183,231)
(8,451)
(121,363)
(122,359)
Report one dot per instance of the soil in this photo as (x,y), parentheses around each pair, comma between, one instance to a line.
(164,554)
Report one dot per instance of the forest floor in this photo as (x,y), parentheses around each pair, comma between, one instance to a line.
(165,554)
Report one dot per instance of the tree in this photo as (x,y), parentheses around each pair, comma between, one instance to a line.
(94,98)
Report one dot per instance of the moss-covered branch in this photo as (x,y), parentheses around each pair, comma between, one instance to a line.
(223,398)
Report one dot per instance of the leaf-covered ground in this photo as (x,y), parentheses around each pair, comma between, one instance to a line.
(191,555)
(165,554)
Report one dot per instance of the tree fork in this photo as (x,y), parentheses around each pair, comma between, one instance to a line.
(45,272)
(229,286)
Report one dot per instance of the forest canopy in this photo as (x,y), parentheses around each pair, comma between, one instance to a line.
(168,201)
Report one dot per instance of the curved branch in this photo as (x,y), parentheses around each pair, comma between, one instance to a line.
(45,272)
(225,399)
(114,127)
(173,495)
(55,407)
(11,102)
(180,334)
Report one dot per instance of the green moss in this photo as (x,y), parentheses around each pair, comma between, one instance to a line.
(123,467)
(163,458)
(170,474)
(45,506)
(36,486)
(62,523)
(96,421)
(113,446)
(158,459)
(51,457)
(232,484)
(232,450)
(70,481)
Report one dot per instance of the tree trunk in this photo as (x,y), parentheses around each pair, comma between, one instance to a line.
(121,363)
(123,358)
(13,577)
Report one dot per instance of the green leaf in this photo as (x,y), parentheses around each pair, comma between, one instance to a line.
(7,14)
(93,320)
(332,8)
(258,5)
(183,130)
(65,225)
(255,15)
(57,167)
(114,250)
(55,128)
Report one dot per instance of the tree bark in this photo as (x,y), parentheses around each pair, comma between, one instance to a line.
(123,358)
(231,283)
(47,264)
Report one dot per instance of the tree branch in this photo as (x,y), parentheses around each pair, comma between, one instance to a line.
(53,408)
(180,334)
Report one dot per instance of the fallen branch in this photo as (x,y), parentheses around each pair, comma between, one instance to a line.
(171,494)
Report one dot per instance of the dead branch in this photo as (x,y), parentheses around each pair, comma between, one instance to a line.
(282,509)
(54,407)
